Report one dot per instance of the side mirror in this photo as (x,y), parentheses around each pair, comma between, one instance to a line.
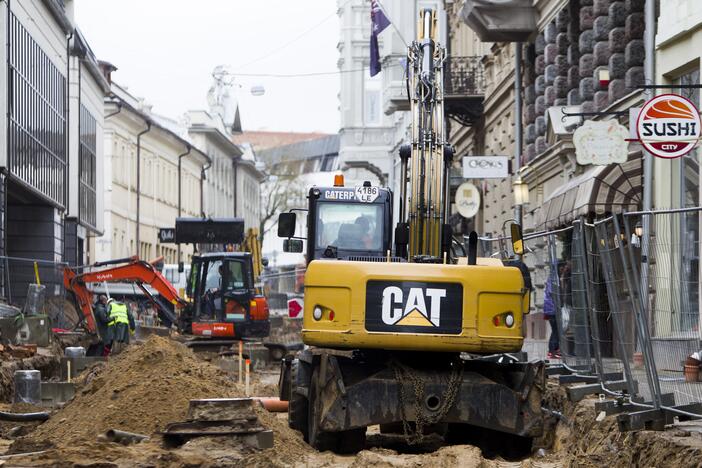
(286,224)
(517,242)
(292,245)
(181,267)
(264,262)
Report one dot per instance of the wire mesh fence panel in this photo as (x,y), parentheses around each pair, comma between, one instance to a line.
(622,302)
(35,287)
(571,283)
(671,303)
(607,320)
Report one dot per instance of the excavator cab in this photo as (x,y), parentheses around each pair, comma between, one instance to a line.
(221,285)
(224,298)
(344,223)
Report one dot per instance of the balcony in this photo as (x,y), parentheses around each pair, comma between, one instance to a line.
(464,89)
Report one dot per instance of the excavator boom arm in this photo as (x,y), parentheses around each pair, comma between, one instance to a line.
(136,271)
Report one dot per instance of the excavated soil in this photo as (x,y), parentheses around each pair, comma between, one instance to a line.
(141,390)
(149,385)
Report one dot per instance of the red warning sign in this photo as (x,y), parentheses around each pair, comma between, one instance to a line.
(669,126)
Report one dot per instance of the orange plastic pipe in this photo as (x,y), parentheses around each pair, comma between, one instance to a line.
(274,405)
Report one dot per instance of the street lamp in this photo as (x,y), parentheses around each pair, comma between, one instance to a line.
(521,192)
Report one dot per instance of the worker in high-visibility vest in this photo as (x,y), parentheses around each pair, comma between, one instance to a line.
(121,322)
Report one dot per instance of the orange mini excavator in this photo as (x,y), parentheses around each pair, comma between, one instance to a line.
(127,270)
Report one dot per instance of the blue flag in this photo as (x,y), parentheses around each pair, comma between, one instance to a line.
(378,23)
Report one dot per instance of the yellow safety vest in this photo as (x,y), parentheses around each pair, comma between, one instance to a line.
(118,314)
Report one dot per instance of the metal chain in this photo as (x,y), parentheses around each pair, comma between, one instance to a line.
(423,418)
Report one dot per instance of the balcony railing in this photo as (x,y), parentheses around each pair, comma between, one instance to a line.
(464,76)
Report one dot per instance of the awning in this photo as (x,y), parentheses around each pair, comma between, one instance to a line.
(599,190)
(500,20)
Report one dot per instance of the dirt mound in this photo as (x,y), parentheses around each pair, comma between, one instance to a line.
(582,441)
(141,390)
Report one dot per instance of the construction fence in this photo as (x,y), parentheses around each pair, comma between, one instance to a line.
(626,307)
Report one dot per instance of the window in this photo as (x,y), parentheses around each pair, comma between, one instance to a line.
(36,113)
(350,226)
(372,98)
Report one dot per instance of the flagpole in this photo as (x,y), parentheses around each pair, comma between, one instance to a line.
(392,23)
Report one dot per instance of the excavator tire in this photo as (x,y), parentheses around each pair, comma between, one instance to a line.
(344,442)
(297,406)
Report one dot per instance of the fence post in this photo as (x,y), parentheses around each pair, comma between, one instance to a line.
(579,274)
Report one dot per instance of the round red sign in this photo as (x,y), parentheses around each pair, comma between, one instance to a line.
(668,126)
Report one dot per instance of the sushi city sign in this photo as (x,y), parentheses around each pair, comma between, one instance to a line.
(668,126)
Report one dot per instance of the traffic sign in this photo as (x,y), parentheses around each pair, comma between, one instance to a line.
(668,126)
(295,306)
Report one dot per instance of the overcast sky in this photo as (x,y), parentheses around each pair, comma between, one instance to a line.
(165,51)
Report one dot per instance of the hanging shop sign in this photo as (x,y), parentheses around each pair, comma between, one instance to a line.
(485,167)
(601,143)
(166,235)
(467,200)
(668,126)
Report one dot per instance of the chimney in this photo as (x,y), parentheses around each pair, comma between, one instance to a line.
(107,68)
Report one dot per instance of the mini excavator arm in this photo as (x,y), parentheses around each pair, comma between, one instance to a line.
(134,271)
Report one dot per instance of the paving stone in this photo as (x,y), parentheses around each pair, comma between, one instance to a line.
(617,66)
(602,53)
(635,6)
(617,13)
(563,20)
(601,100)
(573,54)
(600,7)
(530,113)
(550,96)
(539,64)
(550,32)
(540,85)
(588,106)
(634,78)
(634,26)
(560,85)
(550,53)
(562,43)
(617,90)
(573,77)
(586,41)
(539,44)
(634,53)
(587,88)
(587,18)
(530,133)
(617,40)
(529,94)
(602,26)
(540,106)
(574,97)
(587,65)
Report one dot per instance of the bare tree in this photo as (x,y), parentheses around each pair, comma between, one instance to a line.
(279,193)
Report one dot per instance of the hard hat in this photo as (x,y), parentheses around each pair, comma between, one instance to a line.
(110,300)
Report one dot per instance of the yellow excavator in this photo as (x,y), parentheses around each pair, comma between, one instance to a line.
(408,335)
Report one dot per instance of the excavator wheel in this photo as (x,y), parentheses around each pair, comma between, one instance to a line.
(298,406)
(344,442)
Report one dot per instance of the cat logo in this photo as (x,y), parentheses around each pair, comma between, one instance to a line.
(413,309)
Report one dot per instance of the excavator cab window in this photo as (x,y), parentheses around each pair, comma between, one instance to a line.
(224,282)
(350,226)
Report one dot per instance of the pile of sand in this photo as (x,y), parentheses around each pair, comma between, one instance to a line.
(141,390)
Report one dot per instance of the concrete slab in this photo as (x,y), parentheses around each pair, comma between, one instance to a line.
(55,393)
